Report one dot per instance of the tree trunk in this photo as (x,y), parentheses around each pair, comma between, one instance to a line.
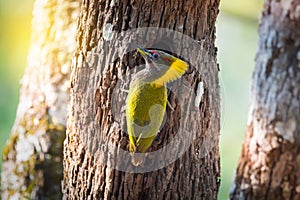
(269,164)
(97,163)
(32,158)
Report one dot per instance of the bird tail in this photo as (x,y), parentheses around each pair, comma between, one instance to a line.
(138,159)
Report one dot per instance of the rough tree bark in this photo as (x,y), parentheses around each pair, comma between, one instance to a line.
(32,158)
(269,164)
(91,123)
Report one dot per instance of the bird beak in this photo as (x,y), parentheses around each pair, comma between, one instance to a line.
(144,52)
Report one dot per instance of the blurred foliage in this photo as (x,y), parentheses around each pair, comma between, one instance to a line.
(245,9)
(15,20)
(236,41)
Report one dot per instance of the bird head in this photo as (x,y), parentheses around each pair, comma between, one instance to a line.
(156,57)
(164,67)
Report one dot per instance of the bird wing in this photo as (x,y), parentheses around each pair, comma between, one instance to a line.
(145,109)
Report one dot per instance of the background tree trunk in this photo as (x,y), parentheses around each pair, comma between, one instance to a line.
(32,158)
(89,165)
(269,164)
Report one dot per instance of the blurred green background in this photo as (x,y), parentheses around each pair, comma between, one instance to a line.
(15,26)
(236,41)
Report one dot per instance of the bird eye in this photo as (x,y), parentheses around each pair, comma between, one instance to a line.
(155,55)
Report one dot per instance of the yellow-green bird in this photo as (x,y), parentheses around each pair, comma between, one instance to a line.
(147,99)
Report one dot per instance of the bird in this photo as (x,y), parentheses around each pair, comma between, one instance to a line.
(147,99)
